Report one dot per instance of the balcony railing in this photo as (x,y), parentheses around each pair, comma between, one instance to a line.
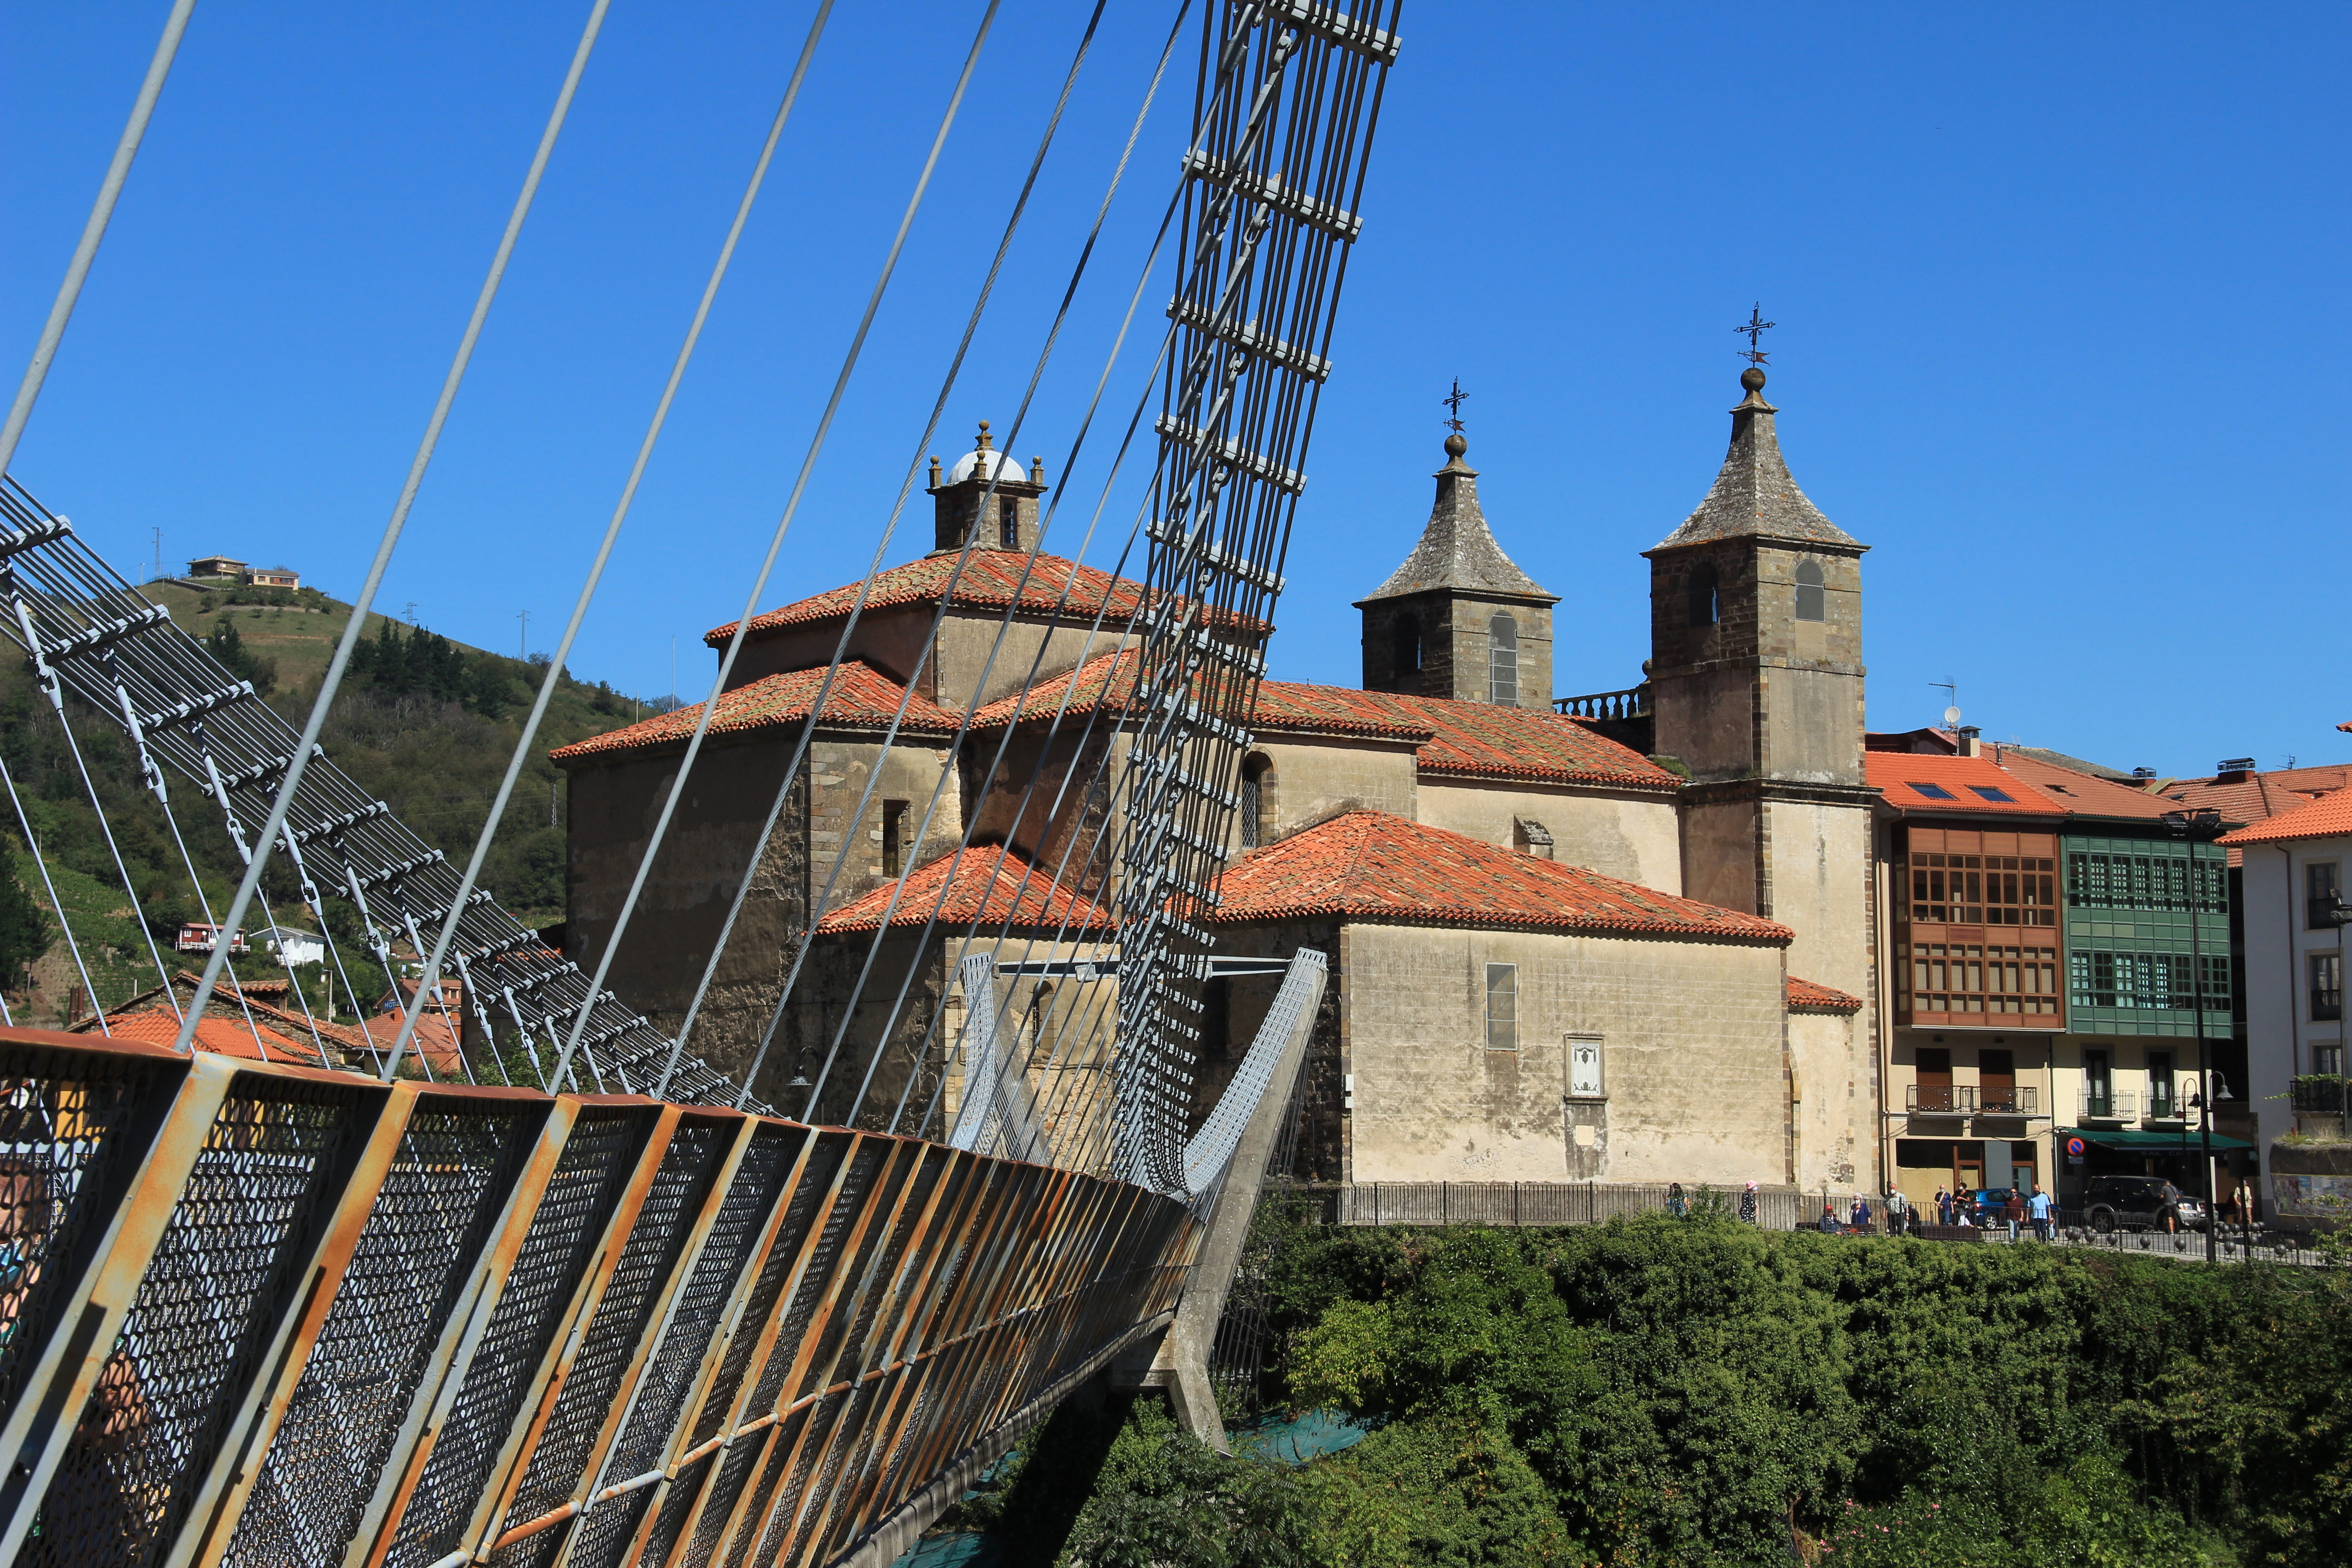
(2166,1107)
(1630,704)
(2106,1106)
(1941,1098)
(2020,1099)
(2321,1094)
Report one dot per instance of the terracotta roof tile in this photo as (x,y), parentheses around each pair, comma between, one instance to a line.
(990,581)
(1372,866)
(1919,784)
(1468,738)
(2087,794)
(2253,796)
(2329,816)
(223,1037)
(861,698)
(990,885)
(1805,994)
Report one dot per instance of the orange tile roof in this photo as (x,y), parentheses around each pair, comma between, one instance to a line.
(990,581)
(433,1040)
(1477,740)
(2084,793)
(1372,866)
(861,698)
(223,1037)
(2329,816)
(1900,774)
(987,879)
(2253,796)
(1805,994)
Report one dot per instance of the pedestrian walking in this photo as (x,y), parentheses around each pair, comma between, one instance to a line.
(2014,1210)
(1943,1204)
(1898,1211)
(1677,1204)
(2038,1205)
(1860,1218)
(1747,1206)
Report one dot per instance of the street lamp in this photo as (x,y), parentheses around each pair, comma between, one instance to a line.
(2204,1107)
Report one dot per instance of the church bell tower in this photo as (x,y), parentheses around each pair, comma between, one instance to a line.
(963,504)
(1756,680)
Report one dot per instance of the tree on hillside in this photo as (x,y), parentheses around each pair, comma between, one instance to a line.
(224,644)
(25,932)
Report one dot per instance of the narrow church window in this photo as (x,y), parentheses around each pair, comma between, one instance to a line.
(1405,650)
(1811,600)
(894,832)
(1502,1006)
(1008,525)
(1704,598)
(1045,1030)
(1258,777)
(1503,661)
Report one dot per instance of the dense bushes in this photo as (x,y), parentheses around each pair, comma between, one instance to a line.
(1670,1391)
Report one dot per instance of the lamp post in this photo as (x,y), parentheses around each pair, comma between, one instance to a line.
(2197,826)
(2204,1104)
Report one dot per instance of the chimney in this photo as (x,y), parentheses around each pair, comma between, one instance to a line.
(1969,745)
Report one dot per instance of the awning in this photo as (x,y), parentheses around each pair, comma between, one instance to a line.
(2146,1140)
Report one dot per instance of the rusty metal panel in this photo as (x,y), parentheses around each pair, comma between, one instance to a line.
(227,1268)
(507,1365)
(755,1332)
(431,1217)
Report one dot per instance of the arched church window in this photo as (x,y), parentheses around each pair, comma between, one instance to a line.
(1257,799)
(1405,653)
(1705,596)
(1044,1028)
(1503,661)
(1811,600)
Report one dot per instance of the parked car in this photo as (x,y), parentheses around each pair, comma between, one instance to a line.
(2137,1203)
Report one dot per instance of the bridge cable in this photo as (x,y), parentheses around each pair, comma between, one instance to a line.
(612,533)
(101,213)
(776,542)
(65,923)
(299,763)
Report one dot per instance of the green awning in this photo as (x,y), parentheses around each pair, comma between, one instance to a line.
(2128,1139)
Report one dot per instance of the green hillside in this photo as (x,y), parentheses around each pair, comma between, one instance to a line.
(421,723)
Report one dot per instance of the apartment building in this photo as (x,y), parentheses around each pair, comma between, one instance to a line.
(2058,953)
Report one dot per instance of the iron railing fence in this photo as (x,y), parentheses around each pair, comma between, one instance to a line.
(258,1314)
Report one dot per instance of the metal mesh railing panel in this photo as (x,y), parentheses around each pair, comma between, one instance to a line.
(60,1117)
(792,1503)
(818,1504)
(585,1402)
(431,1218)
(676,1510)
(760,1304)
(856,1279)
(882,1294)
(734,1469)
(823,1261)
(780,1460)
(596,1164)
(202,1311)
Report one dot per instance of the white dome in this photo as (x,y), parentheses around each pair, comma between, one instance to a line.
(1006,469)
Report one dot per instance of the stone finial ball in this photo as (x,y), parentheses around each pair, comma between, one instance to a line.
(1752,379)
(1455,445)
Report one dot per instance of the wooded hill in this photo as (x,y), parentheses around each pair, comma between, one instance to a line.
(424,723)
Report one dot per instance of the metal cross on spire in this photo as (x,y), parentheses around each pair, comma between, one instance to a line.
(1452,402)
(1754,327)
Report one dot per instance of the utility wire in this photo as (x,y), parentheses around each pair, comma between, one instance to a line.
(605,550)
(299,763)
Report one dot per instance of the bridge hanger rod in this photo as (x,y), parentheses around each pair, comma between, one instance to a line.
(783,525)
(333,678)
(554,676)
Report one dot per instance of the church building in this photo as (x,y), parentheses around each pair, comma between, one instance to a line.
(1567,940)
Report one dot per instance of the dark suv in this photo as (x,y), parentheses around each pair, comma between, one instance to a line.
(2137,1203)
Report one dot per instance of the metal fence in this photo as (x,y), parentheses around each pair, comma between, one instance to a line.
(266,1315)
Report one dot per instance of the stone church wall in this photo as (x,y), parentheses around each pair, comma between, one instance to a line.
(1833,1101)
(1316,779)
(1637,837)
(1692,1035)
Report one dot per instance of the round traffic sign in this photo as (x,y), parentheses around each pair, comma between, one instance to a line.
(2074,1147)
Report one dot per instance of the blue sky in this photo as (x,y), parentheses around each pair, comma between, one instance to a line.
(2059,290)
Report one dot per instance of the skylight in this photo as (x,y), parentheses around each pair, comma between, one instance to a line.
(1989,793)
(1933,792)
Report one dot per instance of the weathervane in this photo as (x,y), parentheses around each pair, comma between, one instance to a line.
(1453,401)
(1754,328)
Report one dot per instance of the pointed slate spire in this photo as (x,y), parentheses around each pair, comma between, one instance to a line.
(1457,550)
(1754,495)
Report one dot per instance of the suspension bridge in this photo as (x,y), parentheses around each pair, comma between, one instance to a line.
(579,1298)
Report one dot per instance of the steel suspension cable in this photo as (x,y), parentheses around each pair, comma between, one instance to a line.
(612,533)
(300,761)
(776,542)
(65,923)
(101,213)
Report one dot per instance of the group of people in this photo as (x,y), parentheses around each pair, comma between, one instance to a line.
(2010,1207)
